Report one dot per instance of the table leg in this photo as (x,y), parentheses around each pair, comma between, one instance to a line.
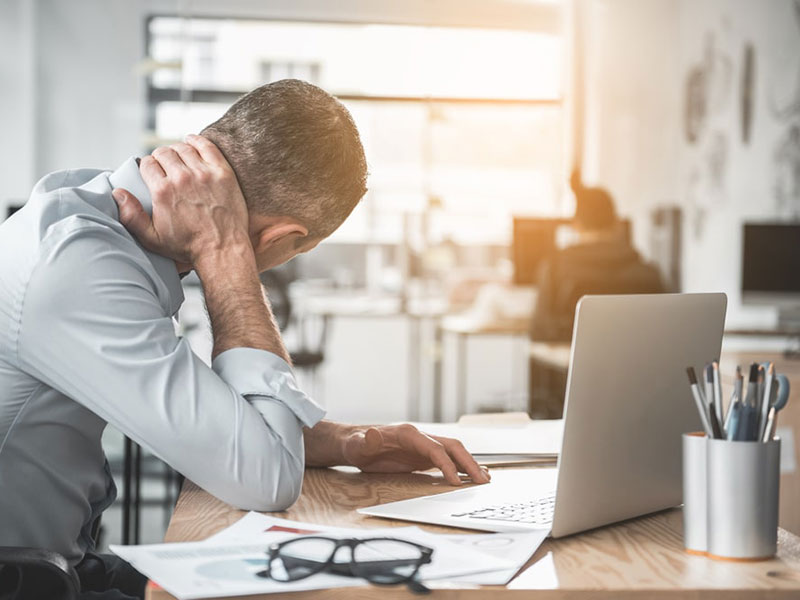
(461,374)
(126,491)
(413,367)
(137,493)
(437,372)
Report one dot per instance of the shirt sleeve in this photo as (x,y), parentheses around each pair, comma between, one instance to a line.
(95,327)
(265,376)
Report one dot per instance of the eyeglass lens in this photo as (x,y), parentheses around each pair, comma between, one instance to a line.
(385,561)
(381,561)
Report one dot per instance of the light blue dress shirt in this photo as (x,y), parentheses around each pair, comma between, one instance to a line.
(87,338)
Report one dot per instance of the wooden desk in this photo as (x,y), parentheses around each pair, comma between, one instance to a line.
(641,558)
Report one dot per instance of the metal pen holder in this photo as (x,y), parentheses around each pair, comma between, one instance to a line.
(730,496)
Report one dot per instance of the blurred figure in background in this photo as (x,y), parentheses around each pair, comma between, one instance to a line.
(601,261)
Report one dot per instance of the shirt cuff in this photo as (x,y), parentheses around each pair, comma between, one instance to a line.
(253,372)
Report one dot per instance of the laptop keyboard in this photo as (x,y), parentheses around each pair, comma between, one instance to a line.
(534,512)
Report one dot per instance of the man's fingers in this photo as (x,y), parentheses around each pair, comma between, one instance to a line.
(207,150)
(466,463)
(151,171)
(441,459)
(134,217)
(169,160)
(190,157)
(433,450)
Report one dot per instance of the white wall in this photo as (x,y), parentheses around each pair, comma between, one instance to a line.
(71,95)
(17,98)
(639,54)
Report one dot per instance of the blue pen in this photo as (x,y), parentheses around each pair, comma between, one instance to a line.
(734,415)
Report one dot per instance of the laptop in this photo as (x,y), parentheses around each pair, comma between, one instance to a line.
(627,403)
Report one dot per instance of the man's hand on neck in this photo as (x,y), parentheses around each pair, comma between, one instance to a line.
(200,221)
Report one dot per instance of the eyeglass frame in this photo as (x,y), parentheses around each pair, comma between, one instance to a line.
(273,553)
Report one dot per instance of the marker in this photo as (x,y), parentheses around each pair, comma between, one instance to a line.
(744,428)
(752,385)
(698,400)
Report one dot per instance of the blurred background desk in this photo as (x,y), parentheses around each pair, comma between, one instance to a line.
(547,378)
(462,330)
(641,558)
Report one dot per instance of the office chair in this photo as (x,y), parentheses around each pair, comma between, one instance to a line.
(36,574)
(546,384)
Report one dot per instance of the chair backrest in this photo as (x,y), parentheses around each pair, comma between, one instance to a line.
(36,573)
(637,278)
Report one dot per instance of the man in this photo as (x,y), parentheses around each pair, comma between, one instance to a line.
(601,261)
(88,289)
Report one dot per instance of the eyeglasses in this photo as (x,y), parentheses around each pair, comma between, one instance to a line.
(382,561)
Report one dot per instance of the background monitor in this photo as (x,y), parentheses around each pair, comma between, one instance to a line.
(771,264)
(534,240)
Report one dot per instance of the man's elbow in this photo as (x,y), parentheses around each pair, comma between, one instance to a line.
(276,489)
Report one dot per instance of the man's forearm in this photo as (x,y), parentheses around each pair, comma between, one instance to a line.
(239,312)
(324,443)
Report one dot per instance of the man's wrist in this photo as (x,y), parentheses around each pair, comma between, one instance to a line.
(234,257)
(326,442)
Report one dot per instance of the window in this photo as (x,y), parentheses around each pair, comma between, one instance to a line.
(467,123)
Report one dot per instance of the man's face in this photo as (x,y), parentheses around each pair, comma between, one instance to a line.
(282,251)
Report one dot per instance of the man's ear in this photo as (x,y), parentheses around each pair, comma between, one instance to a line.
(277,231)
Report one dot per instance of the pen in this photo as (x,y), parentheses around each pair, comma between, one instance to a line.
(770,425)
(717,394)
(735,397)
(766,401)
(716,428)
(698,400)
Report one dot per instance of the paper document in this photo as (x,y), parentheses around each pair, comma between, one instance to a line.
(213,570)
(532,438)
(228,563)
(514,548)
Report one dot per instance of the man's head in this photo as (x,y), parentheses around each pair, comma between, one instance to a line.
(594,211)
(300,164)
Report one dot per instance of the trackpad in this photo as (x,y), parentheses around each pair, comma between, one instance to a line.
(461,495)
(506,485)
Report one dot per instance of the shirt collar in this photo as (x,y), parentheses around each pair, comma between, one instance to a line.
(127,176)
